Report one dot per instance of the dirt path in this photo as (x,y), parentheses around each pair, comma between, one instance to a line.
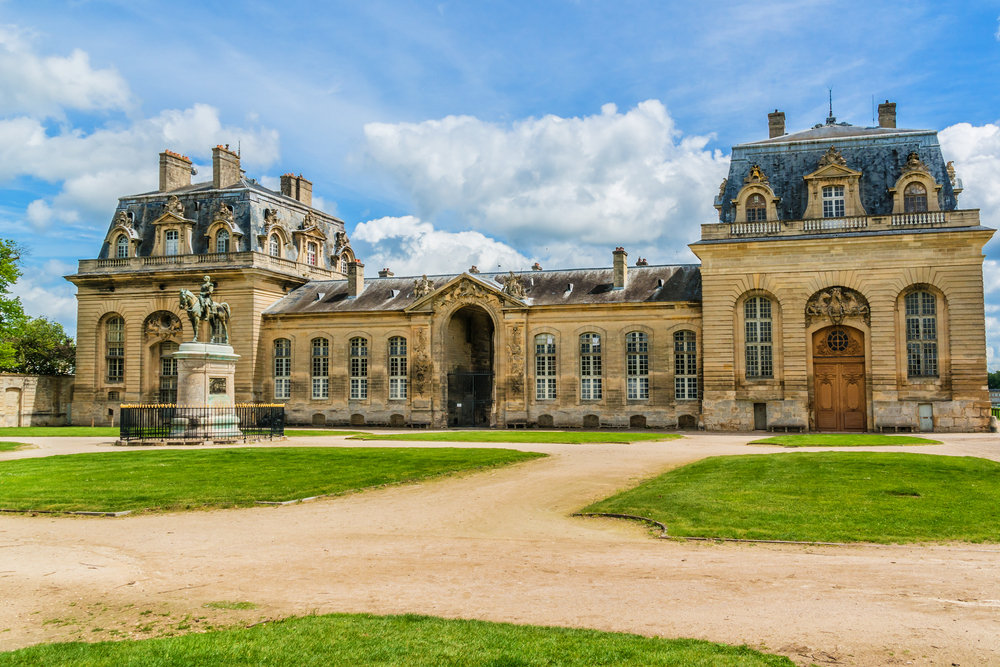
(501,546)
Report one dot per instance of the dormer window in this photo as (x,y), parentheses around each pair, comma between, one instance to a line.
(311,254)
(915,198)
(833,201)
(222,241)
(122,246)
(274,246)
(172,246)
(756,208)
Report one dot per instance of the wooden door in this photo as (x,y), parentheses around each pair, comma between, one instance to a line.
(839,380)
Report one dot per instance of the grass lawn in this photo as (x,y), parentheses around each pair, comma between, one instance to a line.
(58,431)
(304,433)
(396,641)
(518,436)
(823,497)
(186,479)
(12,446)
(844,440)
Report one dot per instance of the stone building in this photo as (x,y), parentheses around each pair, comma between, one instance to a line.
(840,290)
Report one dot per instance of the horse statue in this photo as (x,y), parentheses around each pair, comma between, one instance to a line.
(202,308)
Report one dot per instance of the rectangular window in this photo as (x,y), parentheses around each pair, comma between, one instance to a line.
(172,242)
(591,388)
(545,367)
(359,369)
(921,335)
(311,254)
(757,338)
(833,201)
(115,355)
(168,380)
(282,368)
(637,365)
(685,366)
(397,368)
(320,368)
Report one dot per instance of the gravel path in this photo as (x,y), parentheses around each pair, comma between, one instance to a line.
(501,545)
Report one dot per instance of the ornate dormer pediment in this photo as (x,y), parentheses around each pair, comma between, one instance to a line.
(914,163)
(172,219)
(918,185)
(310,227)
(466,289)
(832,172)
(756,175)
(123,225)
(832,156)
(756,193)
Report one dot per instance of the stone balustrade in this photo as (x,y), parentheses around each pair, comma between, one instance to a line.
(248,259)
(869,223)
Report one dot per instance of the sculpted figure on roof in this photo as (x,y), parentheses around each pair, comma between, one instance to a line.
(175,207)
(422,286)
(832,156)
(513,286)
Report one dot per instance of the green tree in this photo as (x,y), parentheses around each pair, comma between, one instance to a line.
(41,347)
(12,316)
(993,380)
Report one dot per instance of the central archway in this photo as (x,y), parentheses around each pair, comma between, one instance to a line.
(471,350)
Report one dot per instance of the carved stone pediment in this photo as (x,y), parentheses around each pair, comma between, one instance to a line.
(914,163)
(832,156)
(837,304)
(756,175)
(162,324)
(460,289)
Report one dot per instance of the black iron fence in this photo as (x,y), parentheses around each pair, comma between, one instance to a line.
(241,422)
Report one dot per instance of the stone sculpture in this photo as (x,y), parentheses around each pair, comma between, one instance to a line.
(203,308)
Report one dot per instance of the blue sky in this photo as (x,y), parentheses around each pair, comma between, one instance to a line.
(451,133)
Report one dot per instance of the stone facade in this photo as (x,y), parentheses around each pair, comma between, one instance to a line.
(841,289)
(36,400)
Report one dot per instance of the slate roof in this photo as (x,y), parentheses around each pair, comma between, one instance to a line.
(646,284)
(879,153)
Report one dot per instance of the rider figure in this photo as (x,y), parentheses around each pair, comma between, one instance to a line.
(206,295)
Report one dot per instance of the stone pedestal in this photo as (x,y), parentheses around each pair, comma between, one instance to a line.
(205,379)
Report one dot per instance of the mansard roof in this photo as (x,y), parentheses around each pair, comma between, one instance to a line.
(879,153)
(646,284)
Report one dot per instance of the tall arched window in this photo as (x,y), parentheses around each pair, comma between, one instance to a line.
(637,365)
(282,368)
(591,370)
(545,367)
(397,368)
(915,198)
(756,208)
(921,335)
(222,241)
(757,328)
(311,254)
(685,366)
(833,201)
(359,369)
(173,241)
(168,372)
(115,350)
(121,246)
(343,264)
(274,246)
(320,368)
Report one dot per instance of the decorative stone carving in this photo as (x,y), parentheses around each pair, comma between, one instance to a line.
(951,173)
(420,368)
(174,207)
(341,241)
(271,217)
(756,175)
(837,304)
(512,285)
(838,343)
(913,163)
(224,213)
(722,188)
(124,219)
(162,324)
(308,221)
(515,354)
(832,156)
(422,287)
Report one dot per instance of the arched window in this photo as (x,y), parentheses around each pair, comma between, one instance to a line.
(115,350)
(756,208)
(282,368)
(921,335)
(590,367)
(545,367)
(757,328)
(173,240)
(311,254)
(121,246)
(343,264)
(359,369)
(637,365)
(320,368)
(274,246)
(397,368)
(833,201)
(685,366)
(168,372)
(915,198)
(222,241)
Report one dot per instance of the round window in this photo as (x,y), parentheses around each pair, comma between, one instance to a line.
(837,340)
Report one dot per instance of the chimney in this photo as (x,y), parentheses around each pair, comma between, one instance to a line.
(536,267)
(887,114)
(776,124)
(355,279)
(225,167)
(175,171)
(297,188)
(621,268)
(385,273)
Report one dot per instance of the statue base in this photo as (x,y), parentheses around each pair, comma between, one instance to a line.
(206,373)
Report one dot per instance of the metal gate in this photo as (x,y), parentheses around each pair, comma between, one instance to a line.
(470,399)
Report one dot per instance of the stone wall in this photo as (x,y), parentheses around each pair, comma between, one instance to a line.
(36,400)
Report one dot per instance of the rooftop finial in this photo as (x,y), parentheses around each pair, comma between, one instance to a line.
(830,119)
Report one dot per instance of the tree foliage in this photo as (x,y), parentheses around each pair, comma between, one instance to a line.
(12,316)
(993,380)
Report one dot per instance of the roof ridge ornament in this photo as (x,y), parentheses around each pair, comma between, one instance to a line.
(174,206)
(832,156)
(512,285)
(914,163)
(422,286)
(756,175)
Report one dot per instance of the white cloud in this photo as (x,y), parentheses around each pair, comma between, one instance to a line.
(44,86)
(603,180)
(976,152)
(409,246)
(43,292)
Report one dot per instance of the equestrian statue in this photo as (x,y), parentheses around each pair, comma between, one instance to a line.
(202,308)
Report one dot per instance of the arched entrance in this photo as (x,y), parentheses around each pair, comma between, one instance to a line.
(470,352)
(839,377)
